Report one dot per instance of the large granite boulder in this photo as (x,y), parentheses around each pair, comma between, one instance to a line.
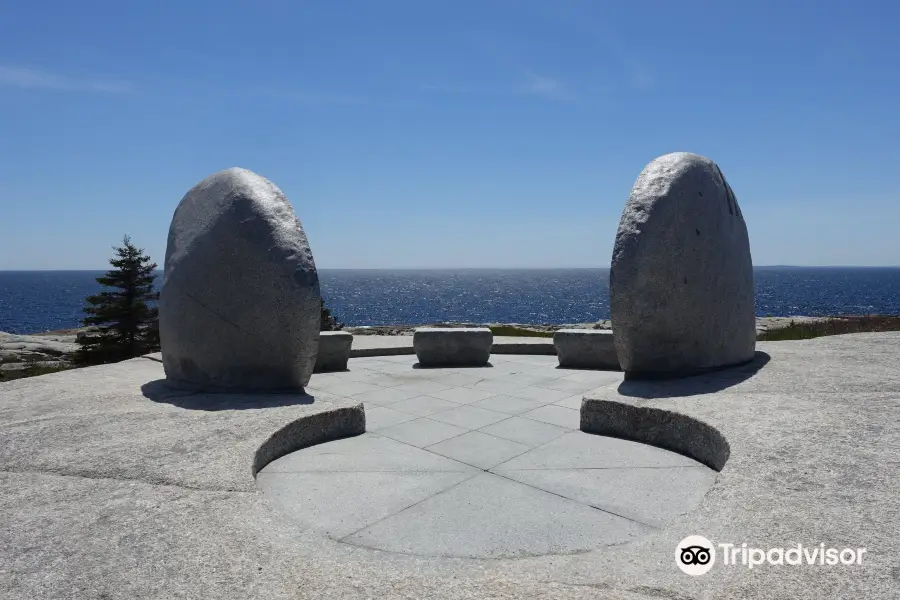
(681,280)
(239,307)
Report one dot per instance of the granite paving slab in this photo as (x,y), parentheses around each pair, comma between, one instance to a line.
(496,386)
(470,417)
(508,404)
(423,405)
(322,501)
(573,402)
(364,453)
(388,396)
(525,431)
(540,394)
(649,495)
(379,417)
(556,415)
(579,450)
(463,395)
(422,432)
(479,449)
(564,384)
(492,517)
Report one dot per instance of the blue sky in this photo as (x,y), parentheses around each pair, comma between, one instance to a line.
(447,134)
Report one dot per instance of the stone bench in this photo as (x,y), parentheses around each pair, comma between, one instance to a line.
(453,347)
(334,351)
(586,349)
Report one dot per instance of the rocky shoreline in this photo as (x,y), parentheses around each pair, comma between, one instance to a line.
(51,349)
(763,324)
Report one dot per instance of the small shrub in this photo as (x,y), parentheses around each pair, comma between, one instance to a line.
(832,326)
(329,323)
(32,371)
(511,331)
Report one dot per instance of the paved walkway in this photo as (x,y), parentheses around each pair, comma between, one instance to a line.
(114,486)
(479,463)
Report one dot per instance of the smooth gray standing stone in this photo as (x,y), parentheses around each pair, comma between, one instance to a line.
(334,351)
(452,346)
(681,280)
(240,302)
(586,348)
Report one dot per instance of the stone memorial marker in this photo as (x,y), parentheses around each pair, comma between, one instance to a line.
(681,279)
(239,307)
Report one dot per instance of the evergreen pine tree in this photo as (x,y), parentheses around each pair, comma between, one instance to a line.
(124,317)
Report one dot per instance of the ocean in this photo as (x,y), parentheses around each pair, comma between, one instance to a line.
(36,301)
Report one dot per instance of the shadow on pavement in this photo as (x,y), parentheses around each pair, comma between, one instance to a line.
(484,366)
(705,383)
(161,391)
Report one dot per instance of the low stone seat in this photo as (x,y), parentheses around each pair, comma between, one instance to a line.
(586,349)
(334,351)
(446,347)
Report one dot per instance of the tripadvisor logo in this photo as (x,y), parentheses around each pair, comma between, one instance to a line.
(696,555)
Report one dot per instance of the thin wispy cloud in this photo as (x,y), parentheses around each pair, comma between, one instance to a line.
(39,79)
(546,87)
(531,84)
(300,96)
(641,79)
(579,16)
(464,89)
(215,74)
(516,77)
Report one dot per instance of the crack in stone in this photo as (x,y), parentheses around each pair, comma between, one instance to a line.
(223,319)
(94,477)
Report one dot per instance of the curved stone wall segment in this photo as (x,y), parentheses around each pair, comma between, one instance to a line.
(656,427)
(309,431)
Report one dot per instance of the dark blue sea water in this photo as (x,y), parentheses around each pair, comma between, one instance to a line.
(34,301)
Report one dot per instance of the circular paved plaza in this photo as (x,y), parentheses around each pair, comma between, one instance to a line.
(482,462)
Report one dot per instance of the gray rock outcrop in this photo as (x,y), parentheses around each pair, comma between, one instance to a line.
(19,352)
(681,279)
(239,305)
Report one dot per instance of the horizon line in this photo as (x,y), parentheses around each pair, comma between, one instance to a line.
(51,270)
